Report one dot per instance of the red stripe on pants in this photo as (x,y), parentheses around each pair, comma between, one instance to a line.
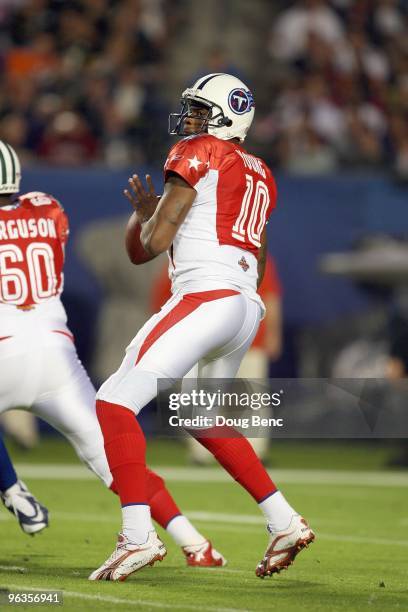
(64,333)
(187,305)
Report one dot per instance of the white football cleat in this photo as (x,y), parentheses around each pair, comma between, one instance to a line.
(129,557)
(203,555)
(284,546)
(32,516)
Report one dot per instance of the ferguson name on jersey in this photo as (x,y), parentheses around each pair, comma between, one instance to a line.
(33,233)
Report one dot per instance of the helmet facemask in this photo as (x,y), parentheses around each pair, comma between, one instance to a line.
(230,107)
(190,104)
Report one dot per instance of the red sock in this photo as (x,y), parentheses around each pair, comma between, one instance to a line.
(162,506)
(125,448)
(237,456)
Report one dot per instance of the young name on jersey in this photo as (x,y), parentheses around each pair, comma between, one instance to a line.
(252,163)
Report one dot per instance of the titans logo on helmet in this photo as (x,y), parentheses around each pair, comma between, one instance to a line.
(240,101)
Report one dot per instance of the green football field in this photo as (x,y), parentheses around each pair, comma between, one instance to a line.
(358,510)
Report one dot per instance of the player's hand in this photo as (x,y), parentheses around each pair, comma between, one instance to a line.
(143,201)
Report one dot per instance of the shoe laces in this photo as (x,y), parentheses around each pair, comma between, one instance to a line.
(120,547)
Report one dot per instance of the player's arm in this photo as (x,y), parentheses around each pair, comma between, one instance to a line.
(263,250)
(160,221)
(159,231)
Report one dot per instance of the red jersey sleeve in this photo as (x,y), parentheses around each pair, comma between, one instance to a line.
(190,158)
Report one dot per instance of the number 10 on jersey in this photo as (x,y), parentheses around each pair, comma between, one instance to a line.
(250,222)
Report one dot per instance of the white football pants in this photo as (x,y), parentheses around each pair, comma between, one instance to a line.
(213,329)
(40,371)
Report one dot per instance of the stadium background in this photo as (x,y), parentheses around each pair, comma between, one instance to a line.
(85,90)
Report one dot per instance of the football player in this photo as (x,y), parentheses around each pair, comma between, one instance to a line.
(38,360)
(32,516)
(211,220)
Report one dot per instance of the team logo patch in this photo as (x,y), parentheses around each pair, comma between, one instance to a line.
(244,264)
(241,101)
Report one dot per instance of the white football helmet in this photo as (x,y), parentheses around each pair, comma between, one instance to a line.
(230,106)
(10,169)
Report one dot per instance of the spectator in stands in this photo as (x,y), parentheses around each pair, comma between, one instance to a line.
(52,49)
(344,96)
(216,60)
(68,141)
(336,88)
(290,33)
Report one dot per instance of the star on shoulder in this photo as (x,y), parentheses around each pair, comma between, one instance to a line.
(194,162)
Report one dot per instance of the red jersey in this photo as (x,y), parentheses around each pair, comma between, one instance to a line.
(33,233)
(218,243)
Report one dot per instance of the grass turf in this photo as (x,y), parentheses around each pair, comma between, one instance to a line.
(357,563)
(312,454)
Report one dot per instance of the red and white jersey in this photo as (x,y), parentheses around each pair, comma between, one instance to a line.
(33,233)
(218,243)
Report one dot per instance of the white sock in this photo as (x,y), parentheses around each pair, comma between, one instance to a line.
(277,511)
(183,532)
(137,522)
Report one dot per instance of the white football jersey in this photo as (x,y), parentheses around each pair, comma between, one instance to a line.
(218,243)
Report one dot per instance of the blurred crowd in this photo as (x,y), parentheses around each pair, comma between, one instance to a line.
(84,81)
(339,87)
(76,76)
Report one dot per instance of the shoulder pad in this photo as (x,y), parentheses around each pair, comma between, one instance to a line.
(39,198)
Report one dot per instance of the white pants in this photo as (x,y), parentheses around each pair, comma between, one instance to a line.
(40,371)
(204,328)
